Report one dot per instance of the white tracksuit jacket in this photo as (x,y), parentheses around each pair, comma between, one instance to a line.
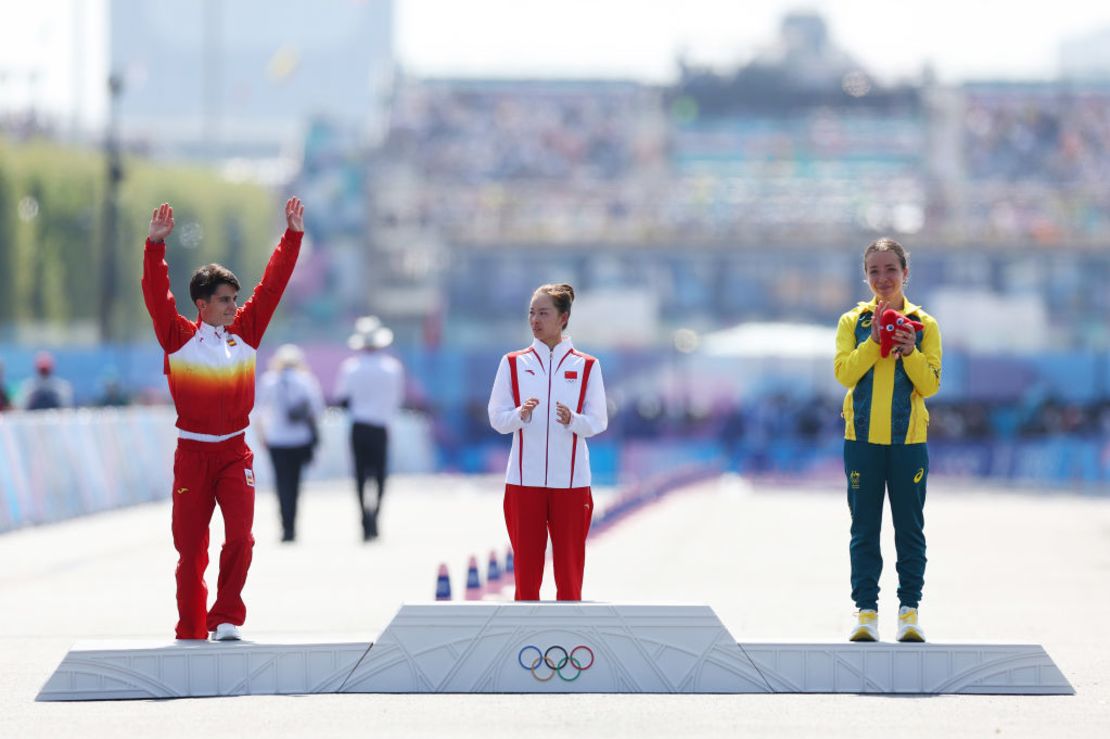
(546,453)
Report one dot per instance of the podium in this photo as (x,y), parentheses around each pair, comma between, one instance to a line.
(484,647)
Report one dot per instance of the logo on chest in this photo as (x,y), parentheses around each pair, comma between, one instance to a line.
(571,376)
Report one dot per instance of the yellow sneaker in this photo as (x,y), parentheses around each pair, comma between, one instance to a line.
(867,626)
(908,628)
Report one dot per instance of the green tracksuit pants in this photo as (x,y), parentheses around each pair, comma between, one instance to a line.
(873,471)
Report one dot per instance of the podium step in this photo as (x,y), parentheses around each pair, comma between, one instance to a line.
(107,670)
(486,647)
(890,667)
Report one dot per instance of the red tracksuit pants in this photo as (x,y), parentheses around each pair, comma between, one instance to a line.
(206,474)
(530,512)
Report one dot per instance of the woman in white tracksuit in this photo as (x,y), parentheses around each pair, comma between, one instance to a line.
(551,398)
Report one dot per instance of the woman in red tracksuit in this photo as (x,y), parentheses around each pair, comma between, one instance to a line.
(551,398)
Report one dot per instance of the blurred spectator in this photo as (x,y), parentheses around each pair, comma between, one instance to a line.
(5,398)
(112,394)
(44,390)
(290,404)
(371,386)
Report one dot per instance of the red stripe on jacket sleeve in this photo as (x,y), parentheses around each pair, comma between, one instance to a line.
(581,402)
(516,399)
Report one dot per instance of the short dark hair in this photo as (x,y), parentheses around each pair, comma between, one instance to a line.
(207,279)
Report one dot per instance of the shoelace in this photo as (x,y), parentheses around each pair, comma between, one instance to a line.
(868,617)
(909,617)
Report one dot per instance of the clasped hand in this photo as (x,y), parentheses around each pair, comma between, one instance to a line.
(562,413)
(905,339)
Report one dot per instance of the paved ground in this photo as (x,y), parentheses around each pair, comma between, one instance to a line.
(771,561)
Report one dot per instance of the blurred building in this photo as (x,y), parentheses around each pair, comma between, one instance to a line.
(1086,57)
(52,69)
(212,79)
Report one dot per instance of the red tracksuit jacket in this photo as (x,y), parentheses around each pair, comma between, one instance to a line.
(211,370)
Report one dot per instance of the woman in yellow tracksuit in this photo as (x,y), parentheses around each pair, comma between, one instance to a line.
(885,426)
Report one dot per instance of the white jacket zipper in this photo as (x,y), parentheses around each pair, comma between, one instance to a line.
(547,446)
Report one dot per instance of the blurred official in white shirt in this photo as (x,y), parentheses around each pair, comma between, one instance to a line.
(371,386)
(289,406)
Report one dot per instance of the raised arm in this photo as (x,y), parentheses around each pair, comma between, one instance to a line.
(170,327)
(255,315)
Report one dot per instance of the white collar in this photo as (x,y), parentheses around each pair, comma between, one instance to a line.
(560,349)
(208,331)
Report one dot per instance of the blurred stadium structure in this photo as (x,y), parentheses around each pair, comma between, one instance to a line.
(680,212)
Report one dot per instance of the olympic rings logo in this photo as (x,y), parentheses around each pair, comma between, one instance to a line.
(556,664)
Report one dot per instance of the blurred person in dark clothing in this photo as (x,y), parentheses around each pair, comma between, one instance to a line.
(45,391)
(5,398)
(112,394)
(371,386)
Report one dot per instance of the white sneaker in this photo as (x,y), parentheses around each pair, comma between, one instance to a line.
(908,628)
(226,632)
(867,626)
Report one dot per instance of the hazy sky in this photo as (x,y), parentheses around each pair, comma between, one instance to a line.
(639,38)
(42,54)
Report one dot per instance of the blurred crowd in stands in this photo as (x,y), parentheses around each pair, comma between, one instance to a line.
(509,162)
(1035,158)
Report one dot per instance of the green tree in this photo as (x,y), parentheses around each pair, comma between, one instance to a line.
(49,263)
(7,247)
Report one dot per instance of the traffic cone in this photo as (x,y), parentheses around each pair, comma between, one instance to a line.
(508,577)
(493,575)
(443,584)
(473,581)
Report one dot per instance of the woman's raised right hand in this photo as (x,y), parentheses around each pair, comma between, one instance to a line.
(876,321)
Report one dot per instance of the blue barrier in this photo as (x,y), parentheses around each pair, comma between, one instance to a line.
(60,464)
(651,490)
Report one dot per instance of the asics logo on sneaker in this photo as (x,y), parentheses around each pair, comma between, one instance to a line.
(866,628)
(909,630)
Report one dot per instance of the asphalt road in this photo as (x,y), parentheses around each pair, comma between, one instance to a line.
(772,561)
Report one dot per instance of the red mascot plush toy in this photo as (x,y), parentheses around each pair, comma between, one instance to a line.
(892,320)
